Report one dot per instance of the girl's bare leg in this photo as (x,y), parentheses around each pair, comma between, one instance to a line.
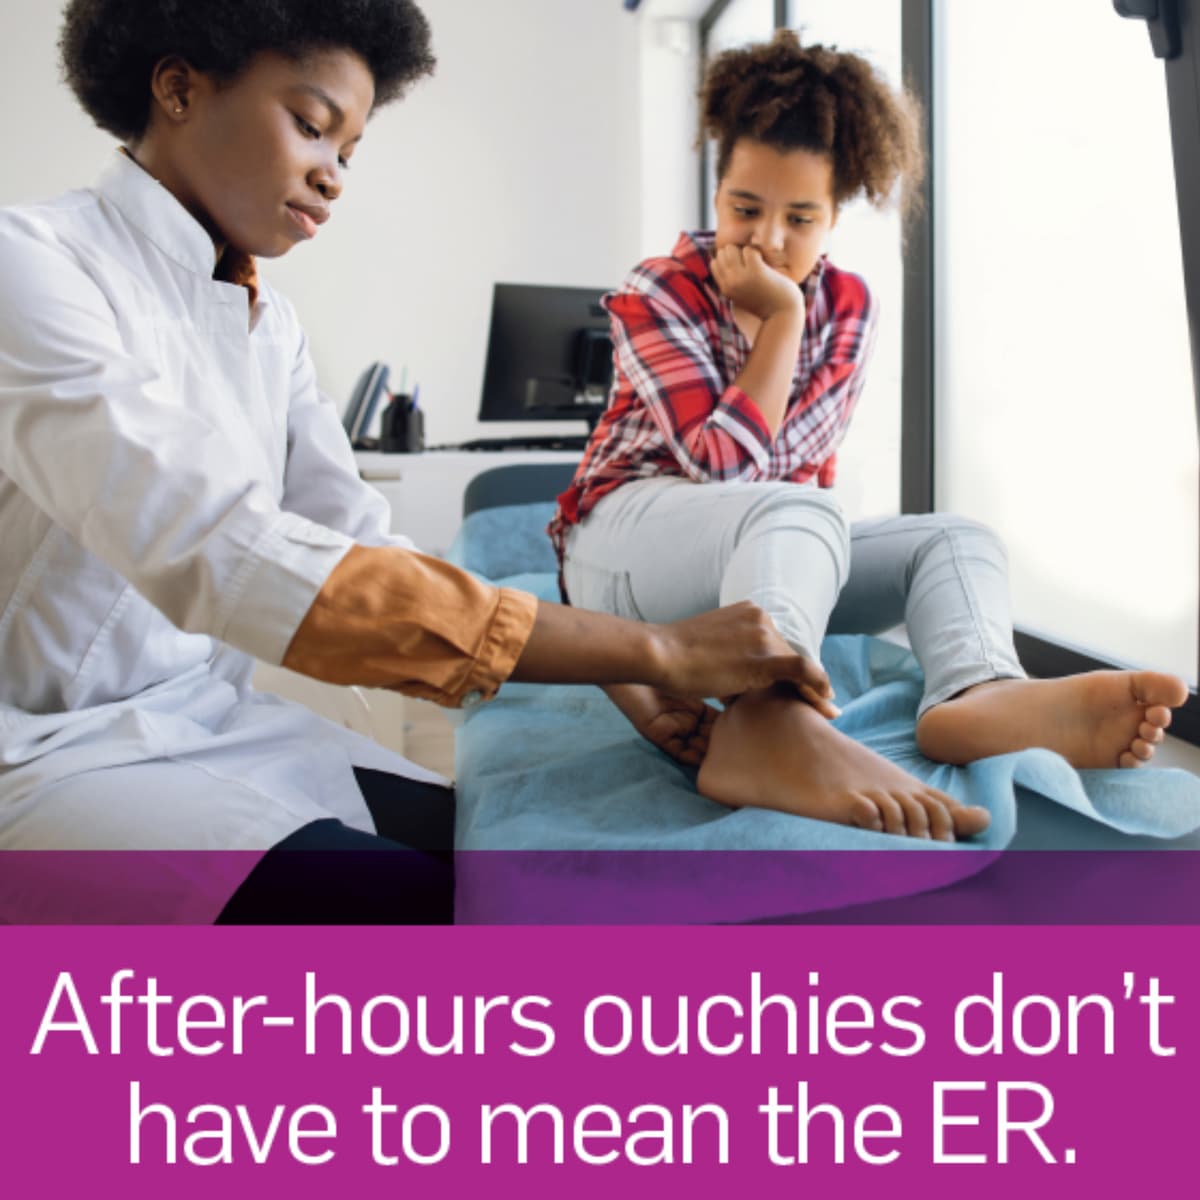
(1099,719)
(772,750)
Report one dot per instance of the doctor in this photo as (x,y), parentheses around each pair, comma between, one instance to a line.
(176,499)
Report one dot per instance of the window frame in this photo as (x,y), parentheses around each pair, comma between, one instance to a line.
(708,19)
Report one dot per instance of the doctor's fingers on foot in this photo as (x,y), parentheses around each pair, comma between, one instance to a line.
(732,650)
(822,702)
(808,677)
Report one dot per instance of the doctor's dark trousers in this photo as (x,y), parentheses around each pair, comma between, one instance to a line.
(329,874)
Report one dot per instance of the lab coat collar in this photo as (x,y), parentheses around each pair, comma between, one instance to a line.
(152,209)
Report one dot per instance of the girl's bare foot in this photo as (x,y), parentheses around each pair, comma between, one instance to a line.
(770,750)
(1099,719)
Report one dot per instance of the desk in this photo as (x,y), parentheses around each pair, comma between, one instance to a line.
(425,491)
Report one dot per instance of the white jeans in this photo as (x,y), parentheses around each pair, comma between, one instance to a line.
(665,548)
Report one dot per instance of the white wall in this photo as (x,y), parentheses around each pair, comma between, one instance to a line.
(519,161)
(51,145)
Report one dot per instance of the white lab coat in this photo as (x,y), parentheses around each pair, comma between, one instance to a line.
(173,493)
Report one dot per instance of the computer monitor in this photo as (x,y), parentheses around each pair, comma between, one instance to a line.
(549,355)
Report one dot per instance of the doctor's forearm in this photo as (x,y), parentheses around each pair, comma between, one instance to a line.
(722,652)
(392,618)
(574,645)
(396,619)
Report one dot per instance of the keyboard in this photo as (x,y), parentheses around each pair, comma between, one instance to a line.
(577,441)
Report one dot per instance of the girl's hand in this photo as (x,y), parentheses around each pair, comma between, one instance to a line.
(678,727)
(745,278)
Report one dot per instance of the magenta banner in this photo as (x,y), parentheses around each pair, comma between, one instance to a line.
(546,1061)
(951,885)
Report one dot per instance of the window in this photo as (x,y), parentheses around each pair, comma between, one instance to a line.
(1065,413)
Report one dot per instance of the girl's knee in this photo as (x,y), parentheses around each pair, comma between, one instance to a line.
(976,533)
(788,507)
(964,535)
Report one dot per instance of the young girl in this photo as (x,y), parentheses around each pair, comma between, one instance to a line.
(176,497)
(739,361)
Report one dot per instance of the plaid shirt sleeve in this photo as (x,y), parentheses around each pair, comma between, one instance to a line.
(817,420)
(663,331)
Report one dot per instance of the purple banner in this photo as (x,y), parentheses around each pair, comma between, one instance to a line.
(947,886)
(853,1061)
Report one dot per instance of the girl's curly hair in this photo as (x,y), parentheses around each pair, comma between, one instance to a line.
(109,47)
(817,98)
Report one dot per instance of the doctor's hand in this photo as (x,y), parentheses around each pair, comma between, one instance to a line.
(745,278)
(732,650)
(724,652)
(678,727)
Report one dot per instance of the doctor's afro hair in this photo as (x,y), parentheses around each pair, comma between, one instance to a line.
(109,47)
(817,98)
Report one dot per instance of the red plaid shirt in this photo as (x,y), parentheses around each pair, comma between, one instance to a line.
(674,409)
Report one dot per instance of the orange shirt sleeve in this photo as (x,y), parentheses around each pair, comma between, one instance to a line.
(393,618)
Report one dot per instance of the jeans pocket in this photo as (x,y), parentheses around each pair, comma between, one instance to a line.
(600,589)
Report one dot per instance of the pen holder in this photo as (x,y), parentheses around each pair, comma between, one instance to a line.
(403,427)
